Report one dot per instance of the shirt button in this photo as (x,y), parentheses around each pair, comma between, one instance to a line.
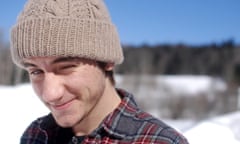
(74,140)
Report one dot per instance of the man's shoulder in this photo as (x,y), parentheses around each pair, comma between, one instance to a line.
(44,122)
(46,130)
(142,126)
(142,121)
(34,131)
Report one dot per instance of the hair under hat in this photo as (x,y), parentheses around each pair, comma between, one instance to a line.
(80,28)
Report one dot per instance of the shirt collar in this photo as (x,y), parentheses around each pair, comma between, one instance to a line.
(110,124)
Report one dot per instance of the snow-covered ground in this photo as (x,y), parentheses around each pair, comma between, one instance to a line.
(219,130)
(19,106)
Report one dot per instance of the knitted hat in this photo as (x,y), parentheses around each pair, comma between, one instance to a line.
(70,28)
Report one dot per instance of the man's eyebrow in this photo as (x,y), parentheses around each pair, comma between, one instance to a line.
(64,59)
(27,64)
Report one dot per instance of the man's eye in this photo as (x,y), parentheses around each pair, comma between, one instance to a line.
(68,66)
(35,72)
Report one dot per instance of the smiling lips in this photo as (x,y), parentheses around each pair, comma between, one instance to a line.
(62,106)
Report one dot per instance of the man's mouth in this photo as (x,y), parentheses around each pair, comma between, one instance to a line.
(62,106)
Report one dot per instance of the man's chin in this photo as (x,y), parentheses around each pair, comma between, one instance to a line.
(65,124)
(65,121)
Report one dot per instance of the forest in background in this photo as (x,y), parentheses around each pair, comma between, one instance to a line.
(217,60)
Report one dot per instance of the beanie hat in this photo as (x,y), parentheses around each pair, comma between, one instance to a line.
(69,28)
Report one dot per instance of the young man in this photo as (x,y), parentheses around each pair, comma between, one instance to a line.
(70,48)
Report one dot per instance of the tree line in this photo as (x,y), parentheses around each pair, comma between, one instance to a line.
(217,60)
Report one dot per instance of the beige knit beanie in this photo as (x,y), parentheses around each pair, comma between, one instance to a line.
(81,28)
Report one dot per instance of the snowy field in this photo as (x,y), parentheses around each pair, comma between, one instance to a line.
(20,106)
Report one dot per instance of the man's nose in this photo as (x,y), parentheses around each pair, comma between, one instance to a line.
(53,88)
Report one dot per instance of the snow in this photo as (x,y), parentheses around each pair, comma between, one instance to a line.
(221,130)
(20,106)
(192,84)
(184,84)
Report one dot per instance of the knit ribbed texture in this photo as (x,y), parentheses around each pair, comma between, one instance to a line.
(80,28)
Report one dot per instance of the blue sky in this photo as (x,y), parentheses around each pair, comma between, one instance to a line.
(160,21)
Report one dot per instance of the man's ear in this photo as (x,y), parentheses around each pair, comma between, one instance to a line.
(109,67)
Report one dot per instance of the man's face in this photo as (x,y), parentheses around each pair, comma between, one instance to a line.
(69,87)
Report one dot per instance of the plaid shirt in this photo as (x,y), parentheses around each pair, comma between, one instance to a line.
(126,124)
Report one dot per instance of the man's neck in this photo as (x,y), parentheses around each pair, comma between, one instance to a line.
(106,104)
